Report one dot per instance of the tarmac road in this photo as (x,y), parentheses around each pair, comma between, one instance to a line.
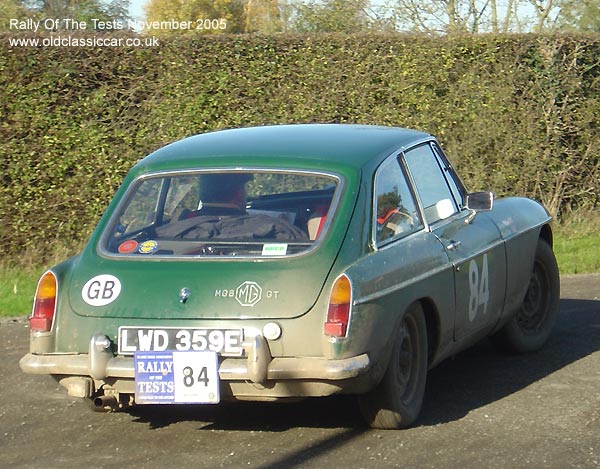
(482,409)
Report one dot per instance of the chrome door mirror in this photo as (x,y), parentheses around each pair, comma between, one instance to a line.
(480,201)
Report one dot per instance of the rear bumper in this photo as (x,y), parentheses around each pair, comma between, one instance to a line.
(101,366)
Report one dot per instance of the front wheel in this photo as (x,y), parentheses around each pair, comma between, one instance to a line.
(396,401)
(530,328)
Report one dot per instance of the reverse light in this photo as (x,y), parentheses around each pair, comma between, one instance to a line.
(338,313)
(272,331)
(44,305)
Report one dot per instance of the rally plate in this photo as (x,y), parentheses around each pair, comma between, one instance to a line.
(176,377)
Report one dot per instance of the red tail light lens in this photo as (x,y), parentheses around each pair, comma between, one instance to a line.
(44,305)
(338,313)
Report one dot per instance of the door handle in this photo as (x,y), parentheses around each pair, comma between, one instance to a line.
(453,245)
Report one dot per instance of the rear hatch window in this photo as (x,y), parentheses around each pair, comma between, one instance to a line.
(222,213)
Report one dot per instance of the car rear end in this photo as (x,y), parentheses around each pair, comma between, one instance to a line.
(182,297)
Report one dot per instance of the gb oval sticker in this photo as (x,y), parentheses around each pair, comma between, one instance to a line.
(101,290)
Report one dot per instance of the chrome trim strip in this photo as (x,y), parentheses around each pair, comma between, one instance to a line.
(400,286)
(393,242)
(473,256)
(531,228)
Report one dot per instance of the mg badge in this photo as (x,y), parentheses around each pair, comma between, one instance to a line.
(248,293)
(184,294)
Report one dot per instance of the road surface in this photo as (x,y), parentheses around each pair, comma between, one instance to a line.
(482,409)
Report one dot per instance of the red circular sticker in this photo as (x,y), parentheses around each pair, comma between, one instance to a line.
(128,246)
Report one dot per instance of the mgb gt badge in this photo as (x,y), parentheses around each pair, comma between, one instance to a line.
(248,293)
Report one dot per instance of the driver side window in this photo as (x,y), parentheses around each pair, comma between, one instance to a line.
(433,189)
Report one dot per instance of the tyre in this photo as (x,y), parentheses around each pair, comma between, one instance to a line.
(532,325)
(396,401)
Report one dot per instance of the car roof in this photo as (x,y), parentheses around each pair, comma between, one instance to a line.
(298,145)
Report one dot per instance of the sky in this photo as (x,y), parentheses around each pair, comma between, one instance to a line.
(136,8)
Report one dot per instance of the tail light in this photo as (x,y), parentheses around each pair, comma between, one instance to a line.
(44,305)
(338,313)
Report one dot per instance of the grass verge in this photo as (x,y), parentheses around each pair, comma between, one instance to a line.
(577,244)
(17,288)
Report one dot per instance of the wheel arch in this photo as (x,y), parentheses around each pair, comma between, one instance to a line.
(547,235)
(432,322)
(396,399)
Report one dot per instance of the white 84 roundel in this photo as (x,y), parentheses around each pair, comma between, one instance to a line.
(478,287)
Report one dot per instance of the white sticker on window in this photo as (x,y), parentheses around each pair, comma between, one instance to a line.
(101,290)
(279,249)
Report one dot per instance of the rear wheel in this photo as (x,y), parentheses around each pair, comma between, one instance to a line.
(396,401)
(531,327)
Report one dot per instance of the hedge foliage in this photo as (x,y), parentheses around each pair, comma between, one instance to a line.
(516,114)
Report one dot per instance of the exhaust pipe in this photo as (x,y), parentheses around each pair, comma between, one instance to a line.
(106,403)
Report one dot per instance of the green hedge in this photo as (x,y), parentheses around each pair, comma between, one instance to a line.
(516,114)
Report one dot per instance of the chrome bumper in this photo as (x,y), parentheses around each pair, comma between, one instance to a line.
(100,363)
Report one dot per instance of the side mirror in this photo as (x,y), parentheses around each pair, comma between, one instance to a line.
(480,201)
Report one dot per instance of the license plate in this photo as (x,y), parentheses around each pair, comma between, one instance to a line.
(226,342)
(176,377)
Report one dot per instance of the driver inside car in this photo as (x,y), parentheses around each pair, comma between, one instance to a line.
(221,194)
(222,214)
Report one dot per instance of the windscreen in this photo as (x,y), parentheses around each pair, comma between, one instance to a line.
(225,213)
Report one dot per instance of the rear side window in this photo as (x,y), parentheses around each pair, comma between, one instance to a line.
(396,213)
(227,213)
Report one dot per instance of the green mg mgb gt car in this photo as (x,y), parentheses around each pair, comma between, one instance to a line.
(292,261)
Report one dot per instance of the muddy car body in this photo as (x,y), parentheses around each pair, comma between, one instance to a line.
(356,261)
